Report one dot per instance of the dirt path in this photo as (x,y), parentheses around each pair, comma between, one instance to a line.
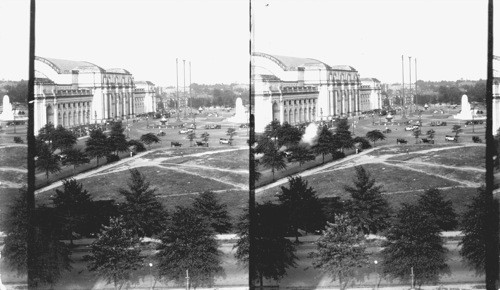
(16,169)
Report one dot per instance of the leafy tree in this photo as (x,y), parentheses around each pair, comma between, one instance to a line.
(231,132)
(63,139)
(414,241)
(272,130)
(191,136)
(205,136)
(149,138)
(97,145)
(473,227)
(457,130)
(253,170)
(117,142)
(142,212)
(50,257)
(342,137)
(430,134)
(137,145)
(324,142)
(288,135)
(301,154)
(341,251)
(301,206)
(273,159)
(365,144)
(75,157)
(416,134)
(432,201)
(374,136)
(47,161)
(264,144)
(72,203)
(272,253)
(209,206)
(368,208)
(189,244)
(45,134)
(115,254)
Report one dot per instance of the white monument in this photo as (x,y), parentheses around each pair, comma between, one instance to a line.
(240,116)
(7,113)
(466,113)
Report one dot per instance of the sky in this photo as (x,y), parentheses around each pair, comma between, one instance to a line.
(448,38)
(145,37)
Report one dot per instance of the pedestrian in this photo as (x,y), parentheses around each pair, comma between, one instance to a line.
(407,151)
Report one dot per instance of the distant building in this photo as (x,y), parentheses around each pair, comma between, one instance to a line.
(298,90)
(370,97)
(73,93)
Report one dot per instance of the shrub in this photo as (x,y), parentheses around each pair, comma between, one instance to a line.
(337,155)
(18,140)
(112,158)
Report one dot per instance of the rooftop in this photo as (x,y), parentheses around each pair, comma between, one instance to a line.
(67,66)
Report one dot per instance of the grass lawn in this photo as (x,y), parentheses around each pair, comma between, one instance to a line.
(473,156)
(14,157)
(237,178)
(178,151)
(14,176)
(410,147)
(237,160)
(332,183)
(471,176)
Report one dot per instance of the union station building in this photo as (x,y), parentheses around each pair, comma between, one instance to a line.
(299,90)
(73,93)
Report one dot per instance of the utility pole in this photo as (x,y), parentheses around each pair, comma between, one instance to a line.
(412,279)
(184,71)
(187,279)
(409,94)
(177,76)
(403,87)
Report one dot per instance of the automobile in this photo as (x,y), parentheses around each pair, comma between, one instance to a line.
(185,131)
(224,141)
(244,126)
(215,127)
(409,128)
(450,138)
(202,143)
(387,131)
(192,126)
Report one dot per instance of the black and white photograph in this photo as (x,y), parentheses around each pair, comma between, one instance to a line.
(249,144)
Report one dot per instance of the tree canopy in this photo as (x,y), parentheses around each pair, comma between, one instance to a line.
(210,207)
(97,145)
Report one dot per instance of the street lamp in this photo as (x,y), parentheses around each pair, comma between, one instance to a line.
(378,275)
(473,113)
(150,274)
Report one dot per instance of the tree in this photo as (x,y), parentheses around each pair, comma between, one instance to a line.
(117,142)
(253,169)
(46,133)
(231,132)
(205,136)
(414,241)
(142,212)
(342,137)
(63,139)
(431,133)
(264,144)
(341,251)
(368,208)
(301,206)
(189,244)
(324,142)
(47,161)
(473,226)
(49,258)
(72,203)
(301,154)
(75,157)
(137,145)
(209,206)
(272,253)
(272,130)
(149,138)
(416,134)
(457,130)
(97,145)
(374,136)
(191,136)
(273,159)
(432,201)
(288,135)
(115,254)
(365,144)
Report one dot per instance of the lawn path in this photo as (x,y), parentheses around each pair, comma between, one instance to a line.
(367,157)
(13,145)
(17,169)
(132,162)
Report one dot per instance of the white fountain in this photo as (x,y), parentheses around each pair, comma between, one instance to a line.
(466,113)
(241,116)
(310,134)
(7,113)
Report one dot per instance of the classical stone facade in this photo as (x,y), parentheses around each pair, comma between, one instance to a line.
(298,90)
(73,93)
(370,97)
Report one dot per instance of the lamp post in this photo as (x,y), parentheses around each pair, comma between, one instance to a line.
(378,275)
(187,279)
(412,275)
(473,113)
(150,274)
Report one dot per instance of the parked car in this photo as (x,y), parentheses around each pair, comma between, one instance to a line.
(450,138)
(409,128)
(224,141)
(185,131)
